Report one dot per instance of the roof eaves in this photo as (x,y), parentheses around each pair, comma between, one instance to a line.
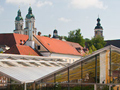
(11,77)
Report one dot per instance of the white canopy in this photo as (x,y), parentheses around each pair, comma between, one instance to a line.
(26,74)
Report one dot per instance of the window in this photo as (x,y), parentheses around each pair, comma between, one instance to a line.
(21,27)
(25,32)
(38,47)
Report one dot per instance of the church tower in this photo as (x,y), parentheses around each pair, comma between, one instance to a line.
(55,34)
(30,29)
(98,29)
(19,23)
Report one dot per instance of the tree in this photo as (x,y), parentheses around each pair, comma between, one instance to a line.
(95,43)
(75,36)
(98,42)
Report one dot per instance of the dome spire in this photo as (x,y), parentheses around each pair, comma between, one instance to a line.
(98,24)
(19,17)
(30,10)
(19,12)
(30,15)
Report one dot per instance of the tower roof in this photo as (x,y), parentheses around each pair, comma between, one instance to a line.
(98,24)
(19,17)
(55,31)
(30,15)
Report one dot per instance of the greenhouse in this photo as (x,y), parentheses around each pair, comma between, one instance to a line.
(98,71)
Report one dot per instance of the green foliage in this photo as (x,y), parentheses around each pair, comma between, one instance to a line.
(46,35)
(75,36)
(98,42)
(92,49)
(95,43)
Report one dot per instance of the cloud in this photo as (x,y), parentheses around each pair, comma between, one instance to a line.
(83,4)
(40,3)
(1,9)
(64,19)
(37,3)
(21,1)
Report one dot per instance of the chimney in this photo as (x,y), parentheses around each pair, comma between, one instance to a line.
(49,35)
(39,33)
(60,38)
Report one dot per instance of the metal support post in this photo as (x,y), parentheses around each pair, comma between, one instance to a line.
(81,74)
(54,81)
(34,86)
(96,69)
(25,86)
(110,65)
(68,79)
(109,87)
(41,84)
(95,86)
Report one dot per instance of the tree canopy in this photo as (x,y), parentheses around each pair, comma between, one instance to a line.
(95,43)
(75,36)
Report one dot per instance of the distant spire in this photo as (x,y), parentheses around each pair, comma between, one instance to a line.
(30,15)
(98,24)
(19,17)
(19,12)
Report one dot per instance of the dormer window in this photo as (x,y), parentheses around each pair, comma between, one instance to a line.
(38,47)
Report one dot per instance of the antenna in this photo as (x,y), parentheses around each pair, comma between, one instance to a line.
(19,6)
(29,4)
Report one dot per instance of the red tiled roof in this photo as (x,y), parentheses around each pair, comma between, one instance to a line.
(22,50)
(77,46)
(57,46)
(20,37)
(11,39)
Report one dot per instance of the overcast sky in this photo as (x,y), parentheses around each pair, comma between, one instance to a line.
(64,15)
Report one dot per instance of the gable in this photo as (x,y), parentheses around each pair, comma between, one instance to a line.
(57,46)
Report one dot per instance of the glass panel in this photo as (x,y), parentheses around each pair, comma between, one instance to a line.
(62,77)
(75,74)
(88,70)
(48,79)
(115,67)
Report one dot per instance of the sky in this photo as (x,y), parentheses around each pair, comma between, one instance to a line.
(65,16)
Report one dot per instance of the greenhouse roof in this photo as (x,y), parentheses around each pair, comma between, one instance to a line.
(26,69)
(26,74)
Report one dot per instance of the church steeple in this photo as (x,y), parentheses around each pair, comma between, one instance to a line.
(98,29)
(19,23)
(30,29)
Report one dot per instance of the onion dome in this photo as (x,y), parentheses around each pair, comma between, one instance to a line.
(55,34)
(30,15)
(98,24)
(19,17)
(55,31)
